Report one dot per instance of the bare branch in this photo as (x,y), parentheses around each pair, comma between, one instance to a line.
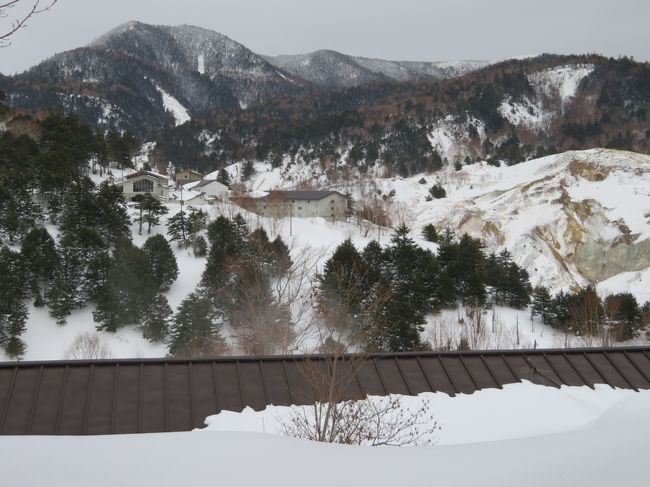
(37,7)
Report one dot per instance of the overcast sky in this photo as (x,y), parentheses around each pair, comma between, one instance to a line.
(418,30)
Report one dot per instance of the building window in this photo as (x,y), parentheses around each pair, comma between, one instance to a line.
(300,207)
(143,186)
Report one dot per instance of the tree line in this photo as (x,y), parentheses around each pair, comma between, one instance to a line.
(381,295)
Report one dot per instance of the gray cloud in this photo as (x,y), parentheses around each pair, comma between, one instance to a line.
(422,30)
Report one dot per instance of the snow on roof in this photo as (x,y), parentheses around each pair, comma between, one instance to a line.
(205,182)
(302,195)
(186,195)
(147,173)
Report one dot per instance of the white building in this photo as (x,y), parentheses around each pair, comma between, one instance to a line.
(304,204)
(213,188)
(143,182)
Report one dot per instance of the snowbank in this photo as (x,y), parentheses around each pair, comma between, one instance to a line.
(612,450)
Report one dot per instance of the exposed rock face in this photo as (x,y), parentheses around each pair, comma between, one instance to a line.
(573,219)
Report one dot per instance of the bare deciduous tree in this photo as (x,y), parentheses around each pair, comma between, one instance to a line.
(31,8)
(87,346)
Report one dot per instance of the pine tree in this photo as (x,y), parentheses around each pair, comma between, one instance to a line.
(178,228)
(39,253)
(156,319)
(66,291)
(200,246)
(113,219)
(13,311)
(429,233)
(129,290)
(542,304)
(197,221)
(248,170)
(223,177)
(13,325)
(342,276)
(197,328)
(280,257)
(150,210)
(162,261)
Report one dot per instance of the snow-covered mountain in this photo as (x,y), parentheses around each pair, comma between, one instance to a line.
(146,77)
(333,69)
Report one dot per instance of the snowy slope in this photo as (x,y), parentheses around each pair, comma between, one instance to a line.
(569,219)
(550,85)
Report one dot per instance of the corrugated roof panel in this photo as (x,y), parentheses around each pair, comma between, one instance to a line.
(17,415)
(205,401)
(73,406)
(180,416)
(479,371)
(102,398)
(153,399)
(392,376)
(276,382)
(632,372)
(455,368)
(230,397)
(45,414)
(126,410)
(130,396)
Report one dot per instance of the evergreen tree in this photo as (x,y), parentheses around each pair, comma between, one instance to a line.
(197,221)
(113,220)
(542,304)
(66,294)
(342,277)
(129,290)
(13,290)
(626,313)
(429,233)
(469,270)
(223,177)
(162,261)
(39,253)
(12,326)
(411,275)
(150,210)
(248,170)
(156,319)
(437,191)
(200,246)
(196,328)
(280,257)
(178,228)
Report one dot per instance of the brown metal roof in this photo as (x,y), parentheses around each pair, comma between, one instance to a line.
(146,396)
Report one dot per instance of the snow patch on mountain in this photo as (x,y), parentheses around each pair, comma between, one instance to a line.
(450,135)
(173,106)
(201,64)
(559,83)
(562,80)
(527,112)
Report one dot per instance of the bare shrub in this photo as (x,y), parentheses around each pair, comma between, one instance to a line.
(367,421)
(87,346)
